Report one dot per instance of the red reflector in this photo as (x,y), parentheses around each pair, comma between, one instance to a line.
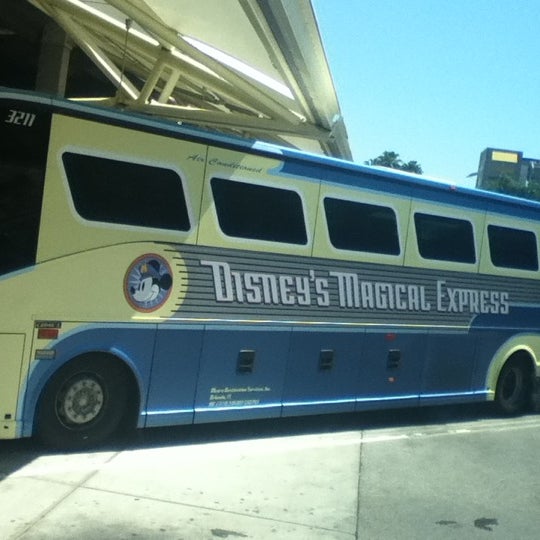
(47,333)
(390,337)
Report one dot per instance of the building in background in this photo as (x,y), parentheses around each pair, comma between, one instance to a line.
(498,166)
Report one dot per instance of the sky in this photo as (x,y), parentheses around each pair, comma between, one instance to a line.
(436,81)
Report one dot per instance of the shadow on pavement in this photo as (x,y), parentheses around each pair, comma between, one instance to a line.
(306,425)
(16,454)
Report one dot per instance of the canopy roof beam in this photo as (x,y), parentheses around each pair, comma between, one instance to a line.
(268,79)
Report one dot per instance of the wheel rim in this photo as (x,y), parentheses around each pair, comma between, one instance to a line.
(80,401)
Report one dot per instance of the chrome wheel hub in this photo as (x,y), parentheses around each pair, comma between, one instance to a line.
(82,401)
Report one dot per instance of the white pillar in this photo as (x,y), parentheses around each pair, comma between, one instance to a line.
(53,62)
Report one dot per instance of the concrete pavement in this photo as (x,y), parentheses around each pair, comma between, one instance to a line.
(381,476)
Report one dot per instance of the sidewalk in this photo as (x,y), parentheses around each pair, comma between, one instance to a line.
(438,480)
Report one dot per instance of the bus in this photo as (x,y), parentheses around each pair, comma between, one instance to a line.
(154,274)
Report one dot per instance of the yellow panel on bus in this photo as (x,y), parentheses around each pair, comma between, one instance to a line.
(64,230)
(12,351)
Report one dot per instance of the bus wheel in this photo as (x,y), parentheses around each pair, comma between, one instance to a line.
(513,387)
(84,403)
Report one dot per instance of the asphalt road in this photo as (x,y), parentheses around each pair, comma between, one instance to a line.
(434,473)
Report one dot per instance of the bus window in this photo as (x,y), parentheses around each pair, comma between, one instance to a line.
(361,227)
(512,248)
(444,239)
(259,212)
(114,191)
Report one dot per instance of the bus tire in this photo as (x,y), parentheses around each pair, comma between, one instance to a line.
(84,402)
(513,387)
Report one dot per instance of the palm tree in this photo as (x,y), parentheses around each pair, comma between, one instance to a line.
(387,159)
(393,161)
(412,166)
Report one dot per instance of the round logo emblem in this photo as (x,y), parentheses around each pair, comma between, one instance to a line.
(148,282)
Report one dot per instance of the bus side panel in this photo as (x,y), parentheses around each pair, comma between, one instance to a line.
(449,367)
(65,230)
(242,373)
(133,344)
(171,395)
(12,346)
(323,371)
(391,370)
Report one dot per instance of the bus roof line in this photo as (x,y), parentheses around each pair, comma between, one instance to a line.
(303,164)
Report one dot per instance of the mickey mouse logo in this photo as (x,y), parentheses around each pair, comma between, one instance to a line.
(147,283)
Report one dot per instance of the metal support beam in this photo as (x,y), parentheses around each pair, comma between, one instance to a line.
(270,102)
(231,120)
(169,86)
(282,89)
(151,81)
(86,42)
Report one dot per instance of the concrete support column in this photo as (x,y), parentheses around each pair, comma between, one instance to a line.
(53,63)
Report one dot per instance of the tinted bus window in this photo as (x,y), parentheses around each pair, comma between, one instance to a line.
(512,248)
(126,193)
(361,227)
(24,136)
(444,239)
(259,212)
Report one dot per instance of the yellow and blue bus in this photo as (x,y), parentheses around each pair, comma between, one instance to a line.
(153,274)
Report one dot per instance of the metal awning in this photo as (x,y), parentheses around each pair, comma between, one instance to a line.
(251,67)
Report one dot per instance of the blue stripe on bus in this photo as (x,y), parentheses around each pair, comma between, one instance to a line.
(388,181)
(176,384)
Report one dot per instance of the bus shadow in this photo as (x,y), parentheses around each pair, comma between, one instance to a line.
(16,454)
(306,425)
